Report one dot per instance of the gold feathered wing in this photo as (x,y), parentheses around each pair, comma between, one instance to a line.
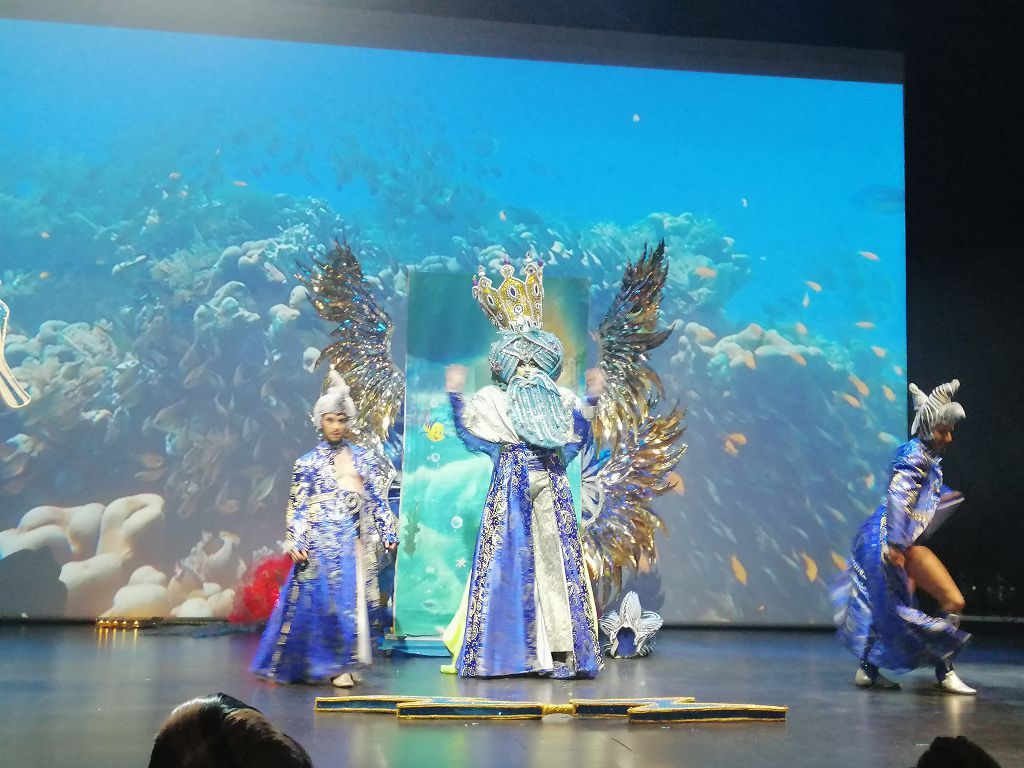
(628,463)
(627,334)
(361,352)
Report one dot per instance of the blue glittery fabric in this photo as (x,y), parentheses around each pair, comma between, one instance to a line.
(876,613)
(312,633)
(500,636)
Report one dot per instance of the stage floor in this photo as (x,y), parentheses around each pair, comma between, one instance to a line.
(70,698)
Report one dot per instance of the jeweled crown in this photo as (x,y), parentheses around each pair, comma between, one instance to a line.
(515,305)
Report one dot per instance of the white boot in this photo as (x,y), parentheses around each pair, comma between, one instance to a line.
(863,680)
(952,683)
(343,681)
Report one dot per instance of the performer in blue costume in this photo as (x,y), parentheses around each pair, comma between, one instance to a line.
(528,607)
(338,527)
(876,612)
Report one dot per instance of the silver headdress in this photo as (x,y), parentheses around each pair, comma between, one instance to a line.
(336,399)
(630,630)
(936,408)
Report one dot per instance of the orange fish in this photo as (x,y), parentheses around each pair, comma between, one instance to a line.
(853,401)
(174,175)
(738,570)
(888,439)
(898,370)
(228,506)
(865,324)
(738,438)
(810,567)
(807,301)
(44,275)
(240,183)
(879,352)
(889,394)
(151,460)
(502,216)
(749,361)
(869,480)
(731,448)
(44,235)
(838,560)
(860,386)
(150,475)
(816,287)
(705,272)
(676,483)
(801,329)
(798,359)
(869,255)
(836,514)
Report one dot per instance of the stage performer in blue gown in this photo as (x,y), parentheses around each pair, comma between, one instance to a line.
(876,612)
(339,527)
(528,607)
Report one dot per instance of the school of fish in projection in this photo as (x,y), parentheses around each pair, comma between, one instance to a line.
(160,328)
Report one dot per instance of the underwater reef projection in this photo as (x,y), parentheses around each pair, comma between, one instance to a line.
(154,202)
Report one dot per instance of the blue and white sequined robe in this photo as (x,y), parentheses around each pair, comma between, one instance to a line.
(529,594)
(877,615)
(329,610)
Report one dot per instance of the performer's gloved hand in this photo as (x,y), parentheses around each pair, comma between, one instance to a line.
(392,548)
(455,378)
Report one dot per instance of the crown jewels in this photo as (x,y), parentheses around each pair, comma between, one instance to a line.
(515,305)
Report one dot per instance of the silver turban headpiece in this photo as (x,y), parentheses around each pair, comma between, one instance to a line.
(337,399)
(936,408)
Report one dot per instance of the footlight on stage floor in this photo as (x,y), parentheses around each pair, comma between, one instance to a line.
(121,622)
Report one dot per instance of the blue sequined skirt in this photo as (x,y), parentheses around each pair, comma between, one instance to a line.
(877,616)
(312,633)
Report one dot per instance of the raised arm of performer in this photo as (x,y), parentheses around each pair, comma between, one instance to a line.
(455,384)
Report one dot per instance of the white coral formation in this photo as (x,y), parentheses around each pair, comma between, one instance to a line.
(105,553)
(71,372)
(140,599)
(749,349)
(231,308)
(69,532)
(93,543)
(195,590)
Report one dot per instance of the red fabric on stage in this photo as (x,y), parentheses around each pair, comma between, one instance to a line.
(255,598)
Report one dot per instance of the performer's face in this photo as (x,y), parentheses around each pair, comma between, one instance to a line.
(334,426)
(527,369)
(942,436)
